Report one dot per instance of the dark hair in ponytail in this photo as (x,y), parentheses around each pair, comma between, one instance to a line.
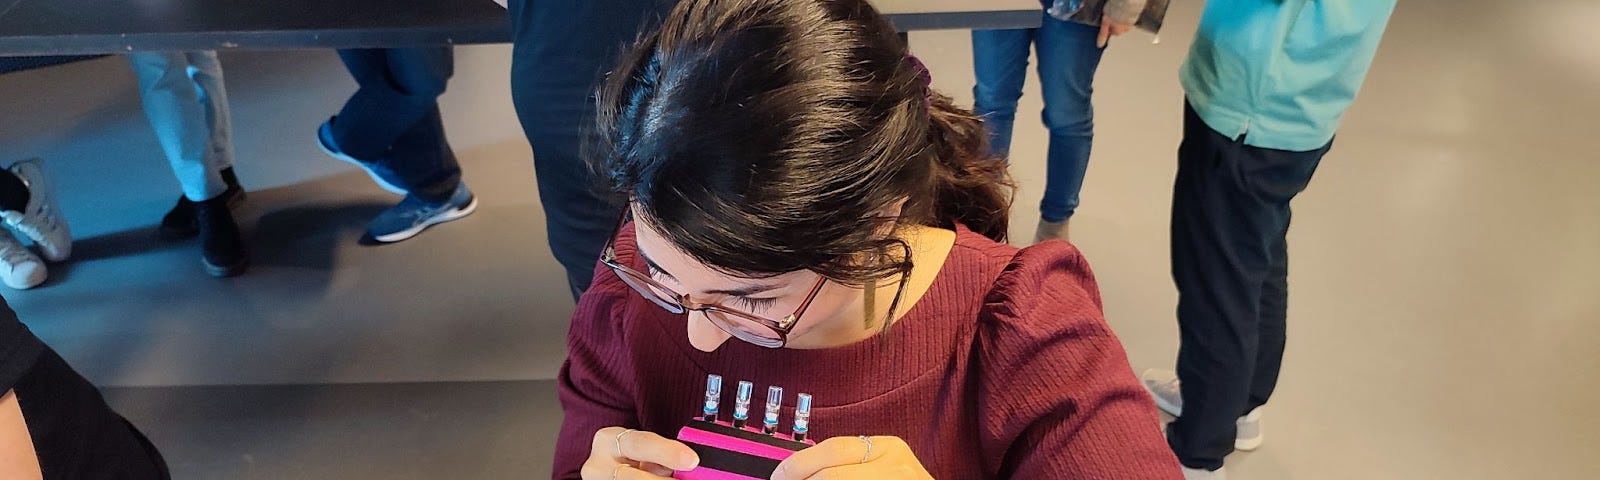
(972,187)
(768,136)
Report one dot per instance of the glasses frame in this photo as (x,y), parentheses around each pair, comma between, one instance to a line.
(681,304)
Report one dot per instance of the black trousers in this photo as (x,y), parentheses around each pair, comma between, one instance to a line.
(13,193)
(393,119)
(1230,219)
(561,48)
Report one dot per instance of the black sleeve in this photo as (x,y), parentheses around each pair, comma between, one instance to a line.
(19,349)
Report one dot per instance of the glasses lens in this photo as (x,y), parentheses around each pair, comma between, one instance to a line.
(647,289)
(745,329)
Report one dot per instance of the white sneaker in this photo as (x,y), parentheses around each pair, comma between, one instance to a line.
(19,268)
(1168,395)
(1198,474)
(1248,437)
(41,220)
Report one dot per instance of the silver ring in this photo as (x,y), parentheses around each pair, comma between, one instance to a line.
(617,470)
(624,433)
(867,455)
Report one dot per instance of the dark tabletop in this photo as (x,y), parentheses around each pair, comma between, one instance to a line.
(75,27)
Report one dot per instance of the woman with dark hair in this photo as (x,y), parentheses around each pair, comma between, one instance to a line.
(794,184)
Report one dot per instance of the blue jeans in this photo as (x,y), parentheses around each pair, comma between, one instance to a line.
(393,118)
(187,105)
(1068,58)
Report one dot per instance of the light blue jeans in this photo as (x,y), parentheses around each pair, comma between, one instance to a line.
(187,105)
(1068,58)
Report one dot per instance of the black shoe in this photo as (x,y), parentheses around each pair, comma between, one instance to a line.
(179,223)
(222,250)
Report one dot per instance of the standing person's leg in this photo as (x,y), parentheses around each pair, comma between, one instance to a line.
(206,72)
(561,48)
(419,157)
(370,69)
(424,159)
(1217,297)
(390,99)
(1274,312)
(1291,175)
(176,107)
(172,101)
(1068,59)
(1230,201)
(999,66)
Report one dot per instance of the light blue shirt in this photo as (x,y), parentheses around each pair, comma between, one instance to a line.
(1281,72)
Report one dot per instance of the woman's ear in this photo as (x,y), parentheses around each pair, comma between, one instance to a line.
(891,213)
(894,210)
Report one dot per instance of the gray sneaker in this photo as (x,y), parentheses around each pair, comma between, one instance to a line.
(413,215)
(1168,395)
(1050,231)
(41,220)
(1163,387)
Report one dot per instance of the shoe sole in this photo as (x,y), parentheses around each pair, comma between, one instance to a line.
(28,283)
(391,188)
(226,271)
(1247,444)
(448,216)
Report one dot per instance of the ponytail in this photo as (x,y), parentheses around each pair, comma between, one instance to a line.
(970,186)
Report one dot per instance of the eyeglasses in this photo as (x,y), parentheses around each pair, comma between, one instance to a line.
(749,327)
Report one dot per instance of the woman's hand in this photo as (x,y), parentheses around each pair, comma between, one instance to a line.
(1110,28)
(872,458)
(625,454)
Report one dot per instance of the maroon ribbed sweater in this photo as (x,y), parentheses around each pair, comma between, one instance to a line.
(1004,369)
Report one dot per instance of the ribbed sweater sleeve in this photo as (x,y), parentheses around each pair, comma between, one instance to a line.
(1058,399)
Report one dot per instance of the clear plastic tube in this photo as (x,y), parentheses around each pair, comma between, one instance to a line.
(741,404)
(713,397)
(802,418)
(774,403)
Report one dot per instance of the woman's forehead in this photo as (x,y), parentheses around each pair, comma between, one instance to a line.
(665,256)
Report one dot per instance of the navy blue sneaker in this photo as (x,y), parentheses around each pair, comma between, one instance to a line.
(382,175)
(412,215)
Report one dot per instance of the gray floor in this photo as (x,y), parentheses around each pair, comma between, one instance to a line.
(1444,316)
(432,430)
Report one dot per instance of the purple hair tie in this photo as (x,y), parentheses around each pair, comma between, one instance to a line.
(924,77)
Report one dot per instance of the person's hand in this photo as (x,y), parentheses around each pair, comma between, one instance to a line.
(1110,28)
(874,458)
(625,454)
